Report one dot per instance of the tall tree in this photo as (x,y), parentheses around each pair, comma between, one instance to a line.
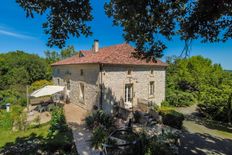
(67,52)
(53,56)
(64,18)
(146,22)
(20,68)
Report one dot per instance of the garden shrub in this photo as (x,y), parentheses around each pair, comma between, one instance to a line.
(20,122)
(102,124)
(7,119)
(13,97)
(137,117)
(39,84)
(58,123)
(163,144)
(98,137)
(99,118)
(59,135)
(179,99)
(214,103)
(171,117)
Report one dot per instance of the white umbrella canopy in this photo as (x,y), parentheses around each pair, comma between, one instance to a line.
(47,90)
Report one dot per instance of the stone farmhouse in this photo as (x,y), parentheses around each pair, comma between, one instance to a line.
(104,77)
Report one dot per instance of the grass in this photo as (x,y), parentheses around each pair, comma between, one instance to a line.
(196,128)
(8,136)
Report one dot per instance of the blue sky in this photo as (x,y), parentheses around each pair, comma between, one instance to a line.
(20,33)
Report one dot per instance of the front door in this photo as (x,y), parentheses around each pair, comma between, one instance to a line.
(129,94)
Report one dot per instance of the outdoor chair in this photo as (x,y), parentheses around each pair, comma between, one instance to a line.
(51,107)
(41,108)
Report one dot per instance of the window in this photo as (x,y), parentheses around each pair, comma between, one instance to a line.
(152,71)
(68,84)
(81,72)
(129,72)
(128,92)
(152,88)
(81,94)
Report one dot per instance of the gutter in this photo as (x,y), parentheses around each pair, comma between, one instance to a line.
(101,86)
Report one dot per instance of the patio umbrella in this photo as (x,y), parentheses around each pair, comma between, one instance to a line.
(47,91)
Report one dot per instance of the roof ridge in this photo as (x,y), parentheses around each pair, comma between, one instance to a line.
(114,45)
(106,47)
(114,54)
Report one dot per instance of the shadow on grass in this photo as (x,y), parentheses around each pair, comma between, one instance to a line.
(211,124)
(23,145)
(203,144)
(60,143)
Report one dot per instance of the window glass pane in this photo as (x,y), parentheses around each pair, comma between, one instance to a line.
(68,84)
(81,95)
(151,89)
(129,72)
(128,92)
(81,72)
(152,71)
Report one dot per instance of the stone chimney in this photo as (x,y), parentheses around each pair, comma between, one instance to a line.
(96,46)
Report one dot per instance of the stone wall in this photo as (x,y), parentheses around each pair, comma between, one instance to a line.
(90,79)
(115,78)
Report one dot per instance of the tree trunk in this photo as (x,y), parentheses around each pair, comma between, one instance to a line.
(229,108)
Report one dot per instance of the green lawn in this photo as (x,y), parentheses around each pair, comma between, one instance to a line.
(196,128)
(7,136)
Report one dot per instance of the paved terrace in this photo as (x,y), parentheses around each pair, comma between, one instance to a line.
(75,116)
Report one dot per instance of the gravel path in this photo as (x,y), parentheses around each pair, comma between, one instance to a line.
(81,138)
(201,138)
(75,116)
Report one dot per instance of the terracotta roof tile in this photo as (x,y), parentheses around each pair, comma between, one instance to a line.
(118,54)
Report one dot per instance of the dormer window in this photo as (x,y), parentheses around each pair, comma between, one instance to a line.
(81,54)
(81,72)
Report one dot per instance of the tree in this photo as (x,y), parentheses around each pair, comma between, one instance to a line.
(53,56)
(64,18)
(19,69)
(146,23)
(67,52)
(229,108)
(198,79)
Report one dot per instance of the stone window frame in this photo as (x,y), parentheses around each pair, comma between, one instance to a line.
(81,72)
(81,99)
(131,91)
(68,84)
(129,72)
(151,89)
(152,71)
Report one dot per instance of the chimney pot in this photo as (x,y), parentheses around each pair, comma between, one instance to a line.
(96,46)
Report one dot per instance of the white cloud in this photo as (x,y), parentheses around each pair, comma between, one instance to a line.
(14,34)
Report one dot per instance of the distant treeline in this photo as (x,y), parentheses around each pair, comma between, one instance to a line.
(197,80)
(19,69)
